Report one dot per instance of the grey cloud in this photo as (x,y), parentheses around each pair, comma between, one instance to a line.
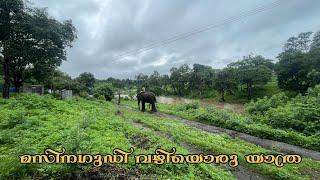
(107,29)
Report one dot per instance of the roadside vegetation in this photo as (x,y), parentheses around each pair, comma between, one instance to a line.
(294,121)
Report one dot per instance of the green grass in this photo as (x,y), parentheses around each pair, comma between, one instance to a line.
(225,145)
(30,123)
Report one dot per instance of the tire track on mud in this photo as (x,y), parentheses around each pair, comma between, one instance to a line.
(241,172)
(265,143)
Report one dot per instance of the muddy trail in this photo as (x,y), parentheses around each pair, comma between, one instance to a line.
(240,172)
(265,143)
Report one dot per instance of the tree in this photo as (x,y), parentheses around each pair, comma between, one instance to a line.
(316,41)
(86,81)
(201,78)
(252,70)
(35,46)
(119,84)
(179,79)
(61,80)
(291,71)
(155,83)
(9,11)
(298,68)
(225,81)
(300,43)
(141,81)
(104,90)
(165,83)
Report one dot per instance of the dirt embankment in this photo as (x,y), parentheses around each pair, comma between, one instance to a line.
(231,107)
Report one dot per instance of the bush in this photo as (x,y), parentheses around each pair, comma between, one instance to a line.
(188,106)
(261,106)
(104,90)
(301,114)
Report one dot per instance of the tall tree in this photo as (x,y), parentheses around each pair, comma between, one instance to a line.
(36,46)
(155,83)
(299,66)
(87,81)
(179,79)
(201,78)
(142,81)
(316,41)
(9,13)
(252,70)
(225,81)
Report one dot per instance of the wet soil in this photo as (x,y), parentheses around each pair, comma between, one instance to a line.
(265,143)
(240,172)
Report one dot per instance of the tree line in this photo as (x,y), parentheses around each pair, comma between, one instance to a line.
(297,69)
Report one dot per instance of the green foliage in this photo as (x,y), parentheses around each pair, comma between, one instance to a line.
(298,67)
(105,90)
(252,70)
(188,106)
(225,81)
(301,114)
(86,82)
(47,39)
(260,106)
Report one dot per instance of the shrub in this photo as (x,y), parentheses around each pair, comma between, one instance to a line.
(104,90)
(188,106)
(301,114)
(261,106)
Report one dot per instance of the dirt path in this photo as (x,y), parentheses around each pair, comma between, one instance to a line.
(240,172)
(265,143)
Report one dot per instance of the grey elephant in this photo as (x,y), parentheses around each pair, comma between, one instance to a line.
(147,97)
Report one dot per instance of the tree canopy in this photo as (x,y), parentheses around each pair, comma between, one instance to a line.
(252,70)
(33,43)
(299,64)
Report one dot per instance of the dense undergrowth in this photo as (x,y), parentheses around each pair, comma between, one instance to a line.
(30,123)
(301,113)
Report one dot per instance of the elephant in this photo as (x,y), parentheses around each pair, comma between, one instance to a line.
(147,97)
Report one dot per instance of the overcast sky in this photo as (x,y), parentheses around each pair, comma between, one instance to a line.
(108,28)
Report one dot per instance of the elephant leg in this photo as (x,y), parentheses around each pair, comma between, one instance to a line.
(143,106)
(154,109)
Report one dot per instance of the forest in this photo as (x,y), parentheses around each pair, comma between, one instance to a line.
(280,99)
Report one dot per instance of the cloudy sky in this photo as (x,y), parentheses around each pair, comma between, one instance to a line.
(107,29)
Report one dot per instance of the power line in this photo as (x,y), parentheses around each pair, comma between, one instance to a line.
(178,37)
